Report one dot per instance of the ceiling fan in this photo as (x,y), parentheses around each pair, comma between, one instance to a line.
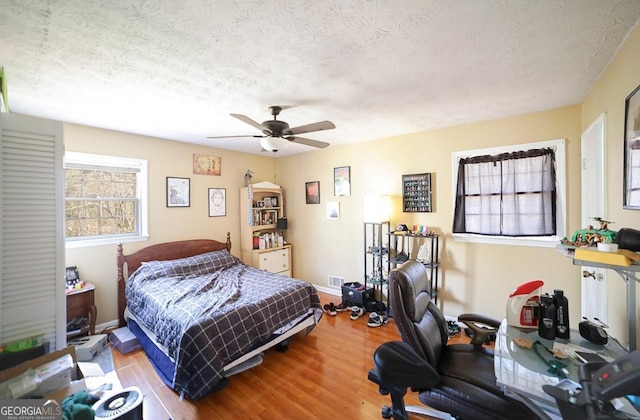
(277,133)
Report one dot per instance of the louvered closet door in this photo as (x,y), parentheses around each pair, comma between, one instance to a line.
(32,298)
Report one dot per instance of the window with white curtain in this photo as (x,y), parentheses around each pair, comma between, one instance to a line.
(511,194)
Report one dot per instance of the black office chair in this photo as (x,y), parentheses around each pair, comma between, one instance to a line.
(458,379)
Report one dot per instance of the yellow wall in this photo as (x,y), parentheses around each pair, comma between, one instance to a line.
(475,277)
(608,96)
(97,264)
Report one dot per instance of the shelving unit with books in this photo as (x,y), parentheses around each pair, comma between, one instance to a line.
(262,243)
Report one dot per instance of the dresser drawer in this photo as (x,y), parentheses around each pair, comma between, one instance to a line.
(274,261)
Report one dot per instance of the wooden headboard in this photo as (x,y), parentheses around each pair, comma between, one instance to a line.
(161,252)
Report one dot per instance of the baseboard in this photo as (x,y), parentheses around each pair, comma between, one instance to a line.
(106,326)
(328,290)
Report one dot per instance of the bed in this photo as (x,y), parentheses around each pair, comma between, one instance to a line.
(201,315)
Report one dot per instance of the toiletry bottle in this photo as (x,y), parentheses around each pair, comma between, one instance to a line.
(547,318)
(562,313)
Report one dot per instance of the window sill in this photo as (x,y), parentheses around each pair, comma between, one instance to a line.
(546,242)
(104,241)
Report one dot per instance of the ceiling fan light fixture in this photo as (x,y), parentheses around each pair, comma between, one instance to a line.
(273,144)
(277,134)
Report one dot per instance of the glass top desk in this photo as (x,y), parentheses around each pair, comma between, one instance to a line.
(521,373)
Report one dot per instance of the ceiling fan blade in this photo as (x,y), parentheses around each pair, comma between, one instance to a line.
(308,142)
(231,137)
(251,122)
(308,128)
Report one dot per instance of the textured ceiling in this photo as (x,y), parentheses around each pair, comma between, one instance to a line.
(377,68)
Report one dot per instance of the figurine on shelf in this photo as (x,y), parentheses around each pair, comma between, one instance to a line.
(604,224)
(423,254)
(247,177)
(74,285)
(591,236)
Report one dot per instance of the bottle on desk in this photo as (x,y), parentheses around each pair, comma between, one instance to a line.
(562,314)
(547,317)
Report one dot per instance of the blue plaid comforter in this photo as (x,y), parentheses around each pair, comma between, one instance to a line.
(210,309)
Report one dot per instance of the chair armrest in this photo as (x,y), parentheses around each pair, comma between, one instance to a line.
(481,325)
(480,319)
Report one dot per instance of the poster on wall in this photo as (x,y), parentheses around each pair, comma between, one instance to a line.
(333,210)
(217,202)
(312,192)
(207,165)
(342,181)
(177,192)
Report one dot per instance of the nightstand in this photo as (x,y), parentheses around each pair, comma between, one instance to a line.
(80,302)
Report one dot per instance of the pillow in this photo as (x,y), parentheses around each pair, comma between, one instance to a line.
(209,262)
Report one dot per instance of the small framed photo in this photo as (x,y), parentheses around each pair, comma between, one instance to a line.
(269,217)
(217,202)
(342,181)
(333,210)
(178,194)
(312,192)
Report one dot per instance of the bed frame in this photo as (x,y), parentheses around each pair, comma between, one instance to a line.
(160,252)
(183,249)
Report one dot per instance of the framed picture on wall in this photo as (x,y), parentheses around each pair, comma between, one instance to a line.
(217,202)
(207,165)
(333,210)
(416,193)
(342,181)
(632,151)
(178,192)
(312,192)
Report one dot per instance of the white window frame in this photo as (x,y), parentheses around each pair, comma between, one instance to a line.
(92,161)
(559,146)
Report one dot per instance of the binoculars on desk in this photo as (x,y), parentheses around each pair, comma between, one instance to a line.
(593,332)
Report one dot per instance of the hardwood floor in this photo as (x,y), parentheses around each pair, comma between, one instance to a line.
(321,376)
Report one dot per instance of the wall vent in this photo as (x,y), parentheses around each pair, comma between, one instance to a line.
(336,281)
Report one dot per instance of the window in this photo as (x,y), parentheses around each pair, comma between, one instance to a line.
(511,194)
(105,199)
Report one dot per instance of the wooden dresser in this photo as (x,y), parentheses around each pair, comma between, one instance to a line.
(80,302)
(274,260)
